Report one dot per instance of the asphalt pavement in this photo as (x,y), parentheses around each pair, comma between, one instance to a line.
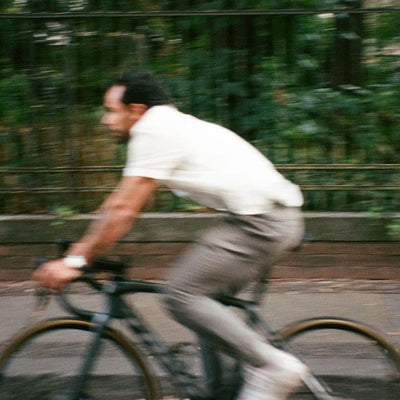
(375,303)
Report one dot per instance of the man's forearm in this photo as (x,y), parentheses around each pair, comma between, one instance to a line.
(118,214)
(103,234)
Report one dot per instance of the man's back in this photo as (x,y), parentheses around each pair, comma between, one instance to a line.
(211,164)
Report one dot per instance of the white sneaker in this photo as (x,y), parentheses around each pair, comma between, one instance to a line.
(273,382)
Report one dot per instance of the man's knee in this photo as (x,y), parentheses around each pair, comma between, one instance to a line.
(176,301)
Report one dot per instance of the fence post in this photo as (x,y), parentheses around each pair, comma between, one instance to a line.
(348,46)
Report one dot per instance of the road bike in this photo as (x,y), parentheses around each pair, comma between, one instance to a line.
(112,352)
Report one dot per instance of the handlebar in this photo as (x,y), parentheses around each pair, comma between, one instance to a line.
(113,286)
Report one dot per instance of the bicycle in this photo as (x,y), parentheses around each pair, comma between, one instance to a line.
(99,360)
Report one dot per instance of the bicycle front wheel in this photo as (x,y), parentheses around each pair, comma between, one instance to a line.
(351,360)
(44,361)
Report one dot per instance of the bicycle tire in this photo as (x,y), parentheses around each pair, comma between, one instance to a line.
(42,361)
(351,360)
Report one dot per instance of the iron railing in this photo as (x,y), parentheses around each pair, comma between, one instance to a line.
(34,169)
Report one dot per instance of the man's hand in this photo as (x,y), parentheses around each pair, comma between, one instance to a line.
(55,275)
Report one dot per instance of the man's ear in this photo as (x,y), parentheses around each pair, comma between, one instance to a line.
(137,109)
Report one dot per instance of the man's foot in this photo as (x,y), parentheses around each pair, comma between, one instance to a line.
(273,382)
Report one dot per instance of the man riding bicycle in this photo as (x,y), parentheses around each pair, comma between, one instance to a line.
(216,168)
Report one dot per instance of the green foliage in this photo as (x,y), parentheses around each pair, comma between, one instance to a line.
(14,88)
(269,78)
(394,229)
(62,214)
(351,128)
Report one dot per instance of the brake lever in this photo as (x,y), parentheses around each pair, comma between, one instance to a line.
(40,291)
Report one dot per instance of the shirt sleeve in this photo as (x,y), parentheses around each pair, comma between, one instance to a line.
(152,154)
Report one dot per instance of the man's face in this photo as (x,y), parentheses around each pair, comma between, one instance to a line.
(118,116)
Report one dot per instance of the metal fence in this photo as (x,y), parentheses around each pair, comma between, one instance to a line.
(316,90)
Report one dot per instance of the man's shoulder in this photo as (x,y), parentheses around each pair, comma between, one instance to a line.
(166,109)
(167,120)
(160,115)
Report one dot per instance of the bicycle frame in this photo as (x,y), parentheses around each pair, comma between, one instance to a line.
(117,308)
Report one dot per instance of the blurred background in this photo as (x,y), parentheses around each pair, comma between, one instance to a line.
(315,85)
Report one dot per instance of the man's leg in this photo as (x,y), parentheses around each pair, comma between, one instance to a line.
(222,373)
(226,258)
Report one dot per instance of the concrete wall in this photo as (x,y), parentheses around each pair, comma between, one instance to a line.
(339,246)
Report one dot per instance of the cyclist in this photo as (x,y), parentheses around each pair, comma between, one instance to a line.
(218,169)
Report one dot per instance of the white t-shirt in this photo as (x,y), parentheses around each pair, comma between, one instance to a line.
(206,163)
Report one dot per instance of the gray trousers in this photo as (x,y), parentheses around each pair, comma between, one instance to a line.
(228,257)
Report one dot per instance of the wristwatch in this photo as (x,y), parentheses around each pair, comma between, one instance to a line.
(73,261)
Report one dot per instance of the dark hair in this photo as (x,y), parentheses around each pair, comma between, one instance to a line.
(141,88)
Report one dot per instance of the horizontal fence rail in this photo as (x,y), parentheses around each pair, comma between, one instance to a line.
(280,167)
(199,13)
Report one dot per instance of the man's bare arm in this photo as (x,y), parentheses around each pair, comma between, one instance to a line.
(118,213)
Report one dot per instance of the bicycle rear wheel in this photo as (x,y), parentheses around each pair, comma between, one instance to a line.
(353,361)
(43,362)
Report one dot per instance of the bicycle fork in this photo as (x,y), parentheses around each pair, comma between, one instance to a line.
(80,382)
